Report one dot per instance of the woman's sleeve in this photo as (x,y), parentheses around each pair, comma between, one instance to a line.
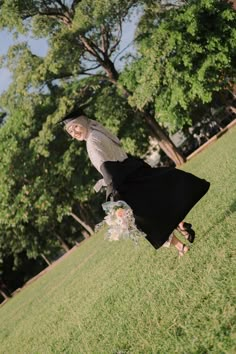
(96,151)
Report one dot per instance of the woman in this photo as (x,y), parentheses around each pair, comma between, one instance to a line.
(159,197)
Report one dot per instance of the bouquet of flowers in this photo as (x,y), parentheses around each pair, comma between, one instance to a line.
(121,223)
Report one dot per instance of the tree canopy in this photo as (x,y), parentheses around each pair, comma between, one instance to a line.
(184,57)
(84,39)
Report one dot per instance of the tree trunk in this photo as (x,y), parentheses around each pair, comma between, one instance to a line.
(45,258)
(4,294)
(62,243)
(4,291)
(165,143)
(85,226)
(87,215)
(111,71)
(85,234)
(159,134)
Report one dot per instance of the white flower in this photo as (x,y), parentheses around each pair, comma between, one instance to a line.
(121,222)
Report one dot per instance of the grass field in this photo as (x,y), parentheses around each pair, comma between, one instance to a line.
(118,298)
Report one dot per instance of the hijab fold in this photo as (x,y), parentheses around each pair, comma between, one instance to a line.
(89,125)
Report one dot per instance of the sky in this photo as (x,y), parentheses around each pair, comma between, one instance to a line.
(40,47)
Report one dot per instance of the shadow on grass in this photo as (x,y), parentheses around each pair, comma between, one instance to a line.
(228,212)
(232,207)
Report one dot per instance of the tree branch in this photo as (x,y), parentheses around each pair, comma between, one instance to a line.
(74,4)
(90,69)
(118,54)
(62,13)
(60,3)
(105,42)
(113,48)
(91,48)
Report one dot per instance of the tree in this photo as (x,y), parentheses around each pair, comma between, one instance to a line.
(84,37)
(37,194)
(188,56)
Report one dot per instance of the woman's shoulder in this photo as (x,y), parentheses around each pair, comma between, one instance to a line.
(97,138)
(95,135)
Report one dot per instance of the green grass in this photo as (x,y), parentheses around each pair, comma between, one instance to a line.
(119,298)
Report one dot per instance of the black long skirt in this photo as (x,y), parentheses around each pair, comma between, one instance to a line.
(159,197)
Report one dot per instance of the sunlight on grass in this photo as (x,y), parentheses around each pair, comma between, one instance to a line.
(121,298)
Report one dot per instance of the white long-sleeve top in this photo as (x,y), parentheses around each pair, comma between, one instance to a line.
(100,149)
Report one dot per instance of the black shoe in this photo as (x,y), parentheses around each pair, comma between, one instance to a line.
(187,232)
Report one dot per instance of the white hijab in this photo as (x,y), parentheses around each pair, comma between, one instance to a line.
(89,125)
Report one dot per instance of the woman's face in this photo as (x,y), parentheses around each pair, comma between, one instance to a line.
(77,132)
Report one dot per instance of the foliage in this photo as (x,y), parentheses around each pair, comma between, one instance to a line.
(184,57)
(84,39)
(112,110)
(40,180)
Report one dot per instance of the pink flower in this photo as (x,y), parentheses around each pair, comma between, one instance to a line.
(120,213)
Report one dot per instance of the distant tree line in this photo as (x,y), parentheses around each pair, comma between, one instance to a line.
(184,58)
